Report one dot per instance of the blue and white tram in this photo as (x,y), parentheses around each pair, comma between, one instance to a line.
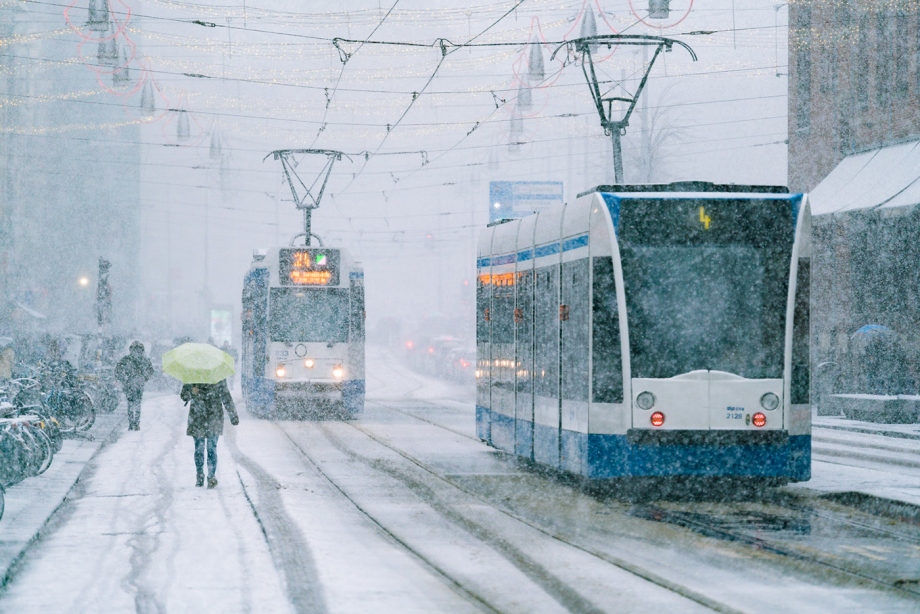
(645,331)
(303,332)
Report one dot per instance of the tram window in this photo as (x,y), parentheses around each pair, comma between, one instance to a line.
(309,315)
(800,332)
(483,298)
(575,331)
(607,363)
(546,332)
(502,314)
(706,285)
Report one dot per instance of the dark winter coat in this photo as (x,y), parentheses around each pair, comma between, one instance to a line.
(133,371)
(206,413)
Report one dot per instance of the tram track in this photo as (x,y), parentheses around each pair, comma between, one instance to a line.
(909,586)
(427,562)
(539,574)
(289,550)
(535,571)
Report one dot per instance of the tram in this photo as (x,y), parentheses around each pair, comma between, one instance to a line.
(303,332)
(650,331)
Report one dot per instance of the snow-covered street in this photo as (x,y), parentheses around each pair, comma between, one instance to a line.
(405,510)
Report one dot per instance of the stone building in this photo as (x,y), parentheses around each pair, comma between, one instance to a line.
(854,81)
(854,145)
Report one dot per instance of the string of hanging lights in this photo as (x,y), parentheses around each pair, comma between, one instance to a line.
(129,74)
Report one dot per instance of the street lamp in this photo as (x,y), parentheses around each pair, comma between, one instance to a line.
(83,281)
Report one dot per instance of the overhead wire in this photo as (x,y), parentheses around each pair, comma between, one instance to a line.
(415,97)
(335,87)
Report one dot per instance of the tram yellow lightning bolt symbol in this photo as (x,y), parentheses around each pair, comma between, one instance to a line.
(704,219)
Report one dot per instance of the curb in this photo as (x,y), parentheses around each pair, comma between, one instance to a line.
(31,504)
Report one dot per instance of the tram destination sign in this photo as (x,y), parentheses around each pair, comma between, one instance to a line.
(513,199)
(309,267)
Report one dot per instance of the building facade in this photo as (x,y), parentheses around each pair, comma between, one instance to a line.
(854,81)
(69,180)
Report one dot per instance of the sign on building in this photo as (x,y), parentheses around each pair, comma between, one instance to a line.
(512,199)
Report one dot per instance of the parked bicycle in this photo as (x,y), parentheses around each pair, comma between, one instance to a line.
(28,442)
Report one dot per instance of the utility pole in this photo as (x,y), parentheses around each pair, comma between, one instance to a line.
(583,48)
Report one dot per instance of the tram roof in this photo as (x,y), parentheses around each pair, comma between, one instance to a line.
(702,188)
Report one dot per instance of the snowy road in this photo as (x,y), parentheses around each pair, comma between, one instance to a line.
(405,511)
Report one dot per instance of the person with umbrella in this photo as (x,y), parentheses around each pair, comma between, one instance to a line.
(203,370)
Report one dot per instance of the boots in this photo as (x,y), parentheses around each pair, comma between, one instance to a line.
(199,480)
(212,482)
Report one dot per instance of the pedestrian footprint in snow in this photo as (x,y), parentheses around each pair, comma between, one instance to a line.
(206,423)
(133,371)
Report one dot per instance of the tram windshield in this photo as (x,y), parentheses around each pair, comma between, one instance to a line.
(308,315)
(706,285)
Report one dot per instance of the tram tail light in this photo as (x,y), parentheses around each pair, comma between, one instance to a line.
(759,420)
(279,371)
(657,418)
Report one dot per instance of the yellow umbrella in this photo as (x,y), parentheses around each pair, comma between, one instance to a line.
(198,363)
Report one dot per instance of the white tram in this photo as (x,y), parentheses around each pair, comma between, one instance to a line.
(303,332)
(656,330)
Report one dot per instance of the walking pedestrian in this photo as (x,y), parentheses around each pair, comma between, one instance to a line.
(206,423)
(133,371)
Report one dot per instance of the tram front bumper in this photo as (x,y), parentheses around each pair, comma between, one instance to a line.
(321,391)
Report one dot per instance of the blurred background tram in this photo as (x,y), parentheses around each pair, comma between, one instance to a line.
(645,331)
(303,333)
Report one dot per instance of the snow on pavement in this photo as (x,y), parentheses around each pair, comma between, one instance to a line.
(138,535)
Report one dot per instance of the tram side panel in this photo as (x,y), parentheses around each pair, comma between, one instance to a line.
(504,256)
(524,340)
(258,391)
(483,336)
(798,422)
(575,338)
(609,415)
(353,388)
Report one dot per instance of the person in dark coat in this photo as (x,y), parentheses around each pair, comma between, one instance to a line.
(133,371)
(206,423)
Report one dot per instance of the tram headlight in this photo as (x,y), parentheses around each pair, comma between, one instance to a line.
(759,420)
(645,400)
(309,363)
(279,371)
(769,401)
(338,372)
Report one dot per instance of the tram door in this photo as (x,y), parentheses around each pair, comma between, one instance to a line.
(574,375)
(546,365)
(523,358)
